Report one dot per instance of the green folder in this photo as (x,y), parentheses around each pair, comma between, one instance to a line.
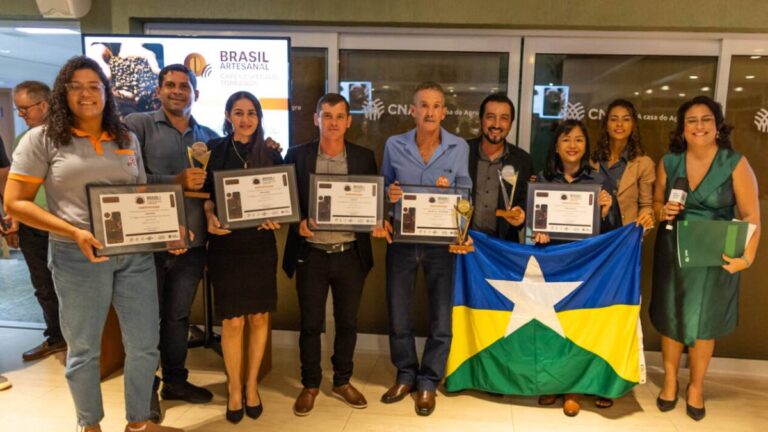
(702,243)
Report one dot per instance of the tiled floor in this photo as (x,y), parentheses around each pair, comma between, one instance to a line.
(39,401)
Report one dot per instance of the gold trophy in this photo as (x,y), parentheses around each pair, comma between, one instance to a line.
(508,174)
(463,211)
(198,152)
(198,155)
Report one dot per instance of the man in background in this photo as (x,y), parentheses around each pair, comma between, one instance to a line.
(31,100)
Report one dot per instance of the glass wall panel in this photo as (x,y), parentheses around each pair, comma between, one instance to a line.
(747,111)
(380,87)
(308,83)
(580,86)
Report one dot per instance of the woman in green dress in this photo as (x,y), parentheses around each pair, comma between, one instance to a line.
(693,306)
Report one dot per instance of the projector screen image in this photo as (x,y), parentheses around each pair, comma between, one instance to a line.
(222,66)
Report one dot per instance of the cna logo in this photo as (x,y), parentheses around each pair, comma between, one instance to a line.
(373,110)
(761,120)
(575,111)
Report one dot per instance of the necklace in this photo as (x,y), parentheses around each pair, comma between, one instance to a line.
(234,147)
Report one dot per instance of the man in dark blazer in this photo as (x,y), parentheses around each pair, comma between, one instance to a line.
(323,259)
(489,154)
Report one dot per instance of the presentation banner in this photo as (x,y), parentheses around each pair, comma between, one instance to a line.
(222,65)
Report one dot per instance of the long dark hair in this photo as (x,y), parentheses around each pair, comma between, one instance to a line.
(634,144)
(60,120)
(259,153)
(554,163)
(677,142)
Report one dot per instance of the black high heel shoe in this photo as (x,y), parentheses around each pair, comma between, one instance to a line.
(693,412)
(667,405)
(234,416)
(254,412)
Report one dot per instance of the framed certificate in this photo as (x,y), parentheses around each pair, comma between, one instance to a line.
(427,214)
(137,218)
(246,198)
(345,202)
(565,212)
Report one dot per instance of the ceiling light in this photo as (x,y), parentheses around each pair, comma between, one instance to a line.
(738,89)
(385,86)
(649,91)
(472,88)
(637,93)
(705,88)
(665,87)
(755,57)
(750,77)
(693,77)
(681,94)
(46,30)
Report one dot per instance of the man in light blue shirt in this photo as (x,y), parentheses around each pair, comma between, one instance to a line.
(430,156)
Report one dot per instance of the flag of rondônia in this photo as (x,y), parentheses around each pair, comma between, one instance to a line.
(533,320)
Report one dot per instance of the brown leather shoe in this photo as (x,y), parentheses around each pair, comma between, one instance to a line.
(396,393)
(547,400)
(351,396)
(44,350)
(571,406)
(425,402)
(306,401)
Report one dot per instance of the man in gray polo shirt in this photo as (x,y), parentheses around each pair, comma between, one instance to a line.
(165,135)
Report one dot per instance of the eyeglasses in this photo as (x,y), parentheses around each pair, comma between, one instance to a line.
(23,110)
(92,88)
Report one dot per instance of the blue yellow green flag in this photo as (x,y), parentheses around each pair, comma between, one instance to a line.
(532,320)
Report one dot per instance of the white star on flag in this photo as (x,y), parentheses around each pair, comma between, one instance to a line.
(534,298)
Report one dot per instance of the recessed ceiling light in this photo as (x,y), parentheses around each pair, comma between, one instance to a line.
(665,87)
(693,77)
(681,94)
(385,86)
(755,57)
(637,93)
(750,77)
(738,89)
(649,91)
(46,30)
(551,84)
(473,88)
(705,88)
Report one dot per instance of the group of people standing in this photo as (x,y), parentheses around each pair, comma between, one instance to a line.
(83,140)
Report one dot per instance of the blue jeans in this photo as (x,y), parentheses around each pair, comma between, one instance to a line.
(177,279)
(85,292)
(402,264)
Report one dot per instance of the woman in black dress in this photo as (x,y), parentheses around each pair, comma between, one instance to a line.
(242,264)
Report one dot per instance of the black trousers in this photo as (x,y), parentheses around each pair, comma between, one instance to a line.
(34,246)
(315,274)
(177,280)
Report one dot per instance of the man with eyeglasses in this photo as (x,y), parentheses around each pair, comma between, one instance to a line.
(165,135)
(31,102)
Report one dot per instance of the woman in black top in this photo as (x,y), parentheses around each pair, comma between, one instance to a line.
(242,264)
(568,162)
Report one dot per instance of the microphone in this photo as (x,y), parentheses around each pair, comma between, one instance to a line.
(678,194)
